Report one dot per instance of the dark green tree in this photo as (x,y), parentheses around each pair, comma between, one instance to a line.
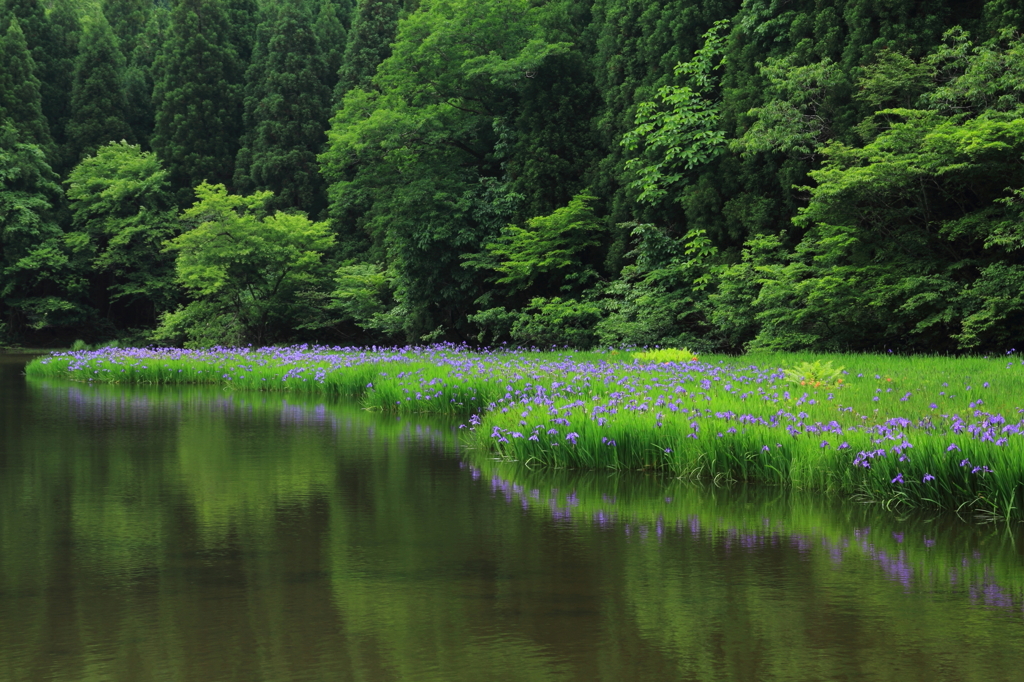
(39,285)
(198,96)
(58,83)
(98,104)
(243,17)
(331,35)
(374,26)
(128,19)
(52,40)
(19,90)
(140,73)
(286,103)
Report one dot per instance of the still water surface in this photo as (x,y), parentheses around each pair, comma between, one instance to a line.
(188,534)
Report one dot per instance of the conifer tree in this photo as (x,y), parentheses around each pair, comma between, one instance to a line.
(331,35)
(197,97)
(97,100)
(53,43)
(56,88)
(285,111)
(369,43)
(243,17)
(140,74)
(128,20)
(19,90)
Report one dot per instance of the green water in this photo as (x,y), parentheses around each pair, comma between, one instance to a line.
(196,534)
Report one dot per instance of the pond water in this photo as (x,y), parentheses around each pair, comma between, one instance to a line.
(200,534)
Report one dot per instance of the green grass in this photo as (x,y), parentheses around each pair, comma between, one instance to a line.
(905,431)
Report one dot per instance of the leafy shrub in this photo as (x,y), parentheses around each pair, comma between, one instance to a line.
(816,374)
(554,322)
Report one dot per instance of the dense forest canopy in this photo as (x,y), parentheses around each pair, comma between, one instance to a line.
(724,174)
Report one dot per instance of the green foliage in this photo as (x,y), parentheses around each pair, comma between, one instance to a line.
(98,105)
(363,295)
(128,19)
(243,269)
(549,145)
(331,36)
(915,229)
(123,213)
(542,323)
(20,101)
(374,25)
(52,41)
(58,82)
(550,251)
(800,113)
(817,374)
(411,165)
(39,285)
(285,112)
(680,131)
(661,298)
(198,96)
(548,322)
(139,74)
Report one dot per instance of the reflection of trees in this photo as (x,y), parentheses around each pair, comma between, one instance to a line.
(196,534)
(793,586)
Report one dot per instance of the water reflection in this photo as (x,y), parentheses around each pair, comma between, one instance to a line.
(917,551)
(197,534)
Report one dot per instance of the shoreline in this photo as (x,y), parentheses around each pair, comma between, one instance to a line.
(937,433)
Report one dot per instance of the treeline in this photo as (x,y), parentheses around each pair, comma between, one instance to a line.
(721,174)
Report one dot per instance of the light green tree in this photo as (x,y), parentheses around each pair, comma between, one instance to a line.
(244,270)
(122,212)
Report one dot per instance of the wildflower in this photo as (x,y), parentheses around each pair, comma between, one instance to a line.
(965,462)
(927,477)
(765,448)
(953,447)
(898,479)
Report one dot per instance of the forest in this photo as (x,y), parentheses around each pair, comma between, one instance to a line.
(725,175)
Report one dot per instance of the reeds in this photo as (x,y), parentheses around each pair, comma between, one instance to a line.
(915,431)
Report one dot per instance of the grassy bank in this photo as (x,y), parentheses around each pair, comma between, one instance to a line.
(917,431)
